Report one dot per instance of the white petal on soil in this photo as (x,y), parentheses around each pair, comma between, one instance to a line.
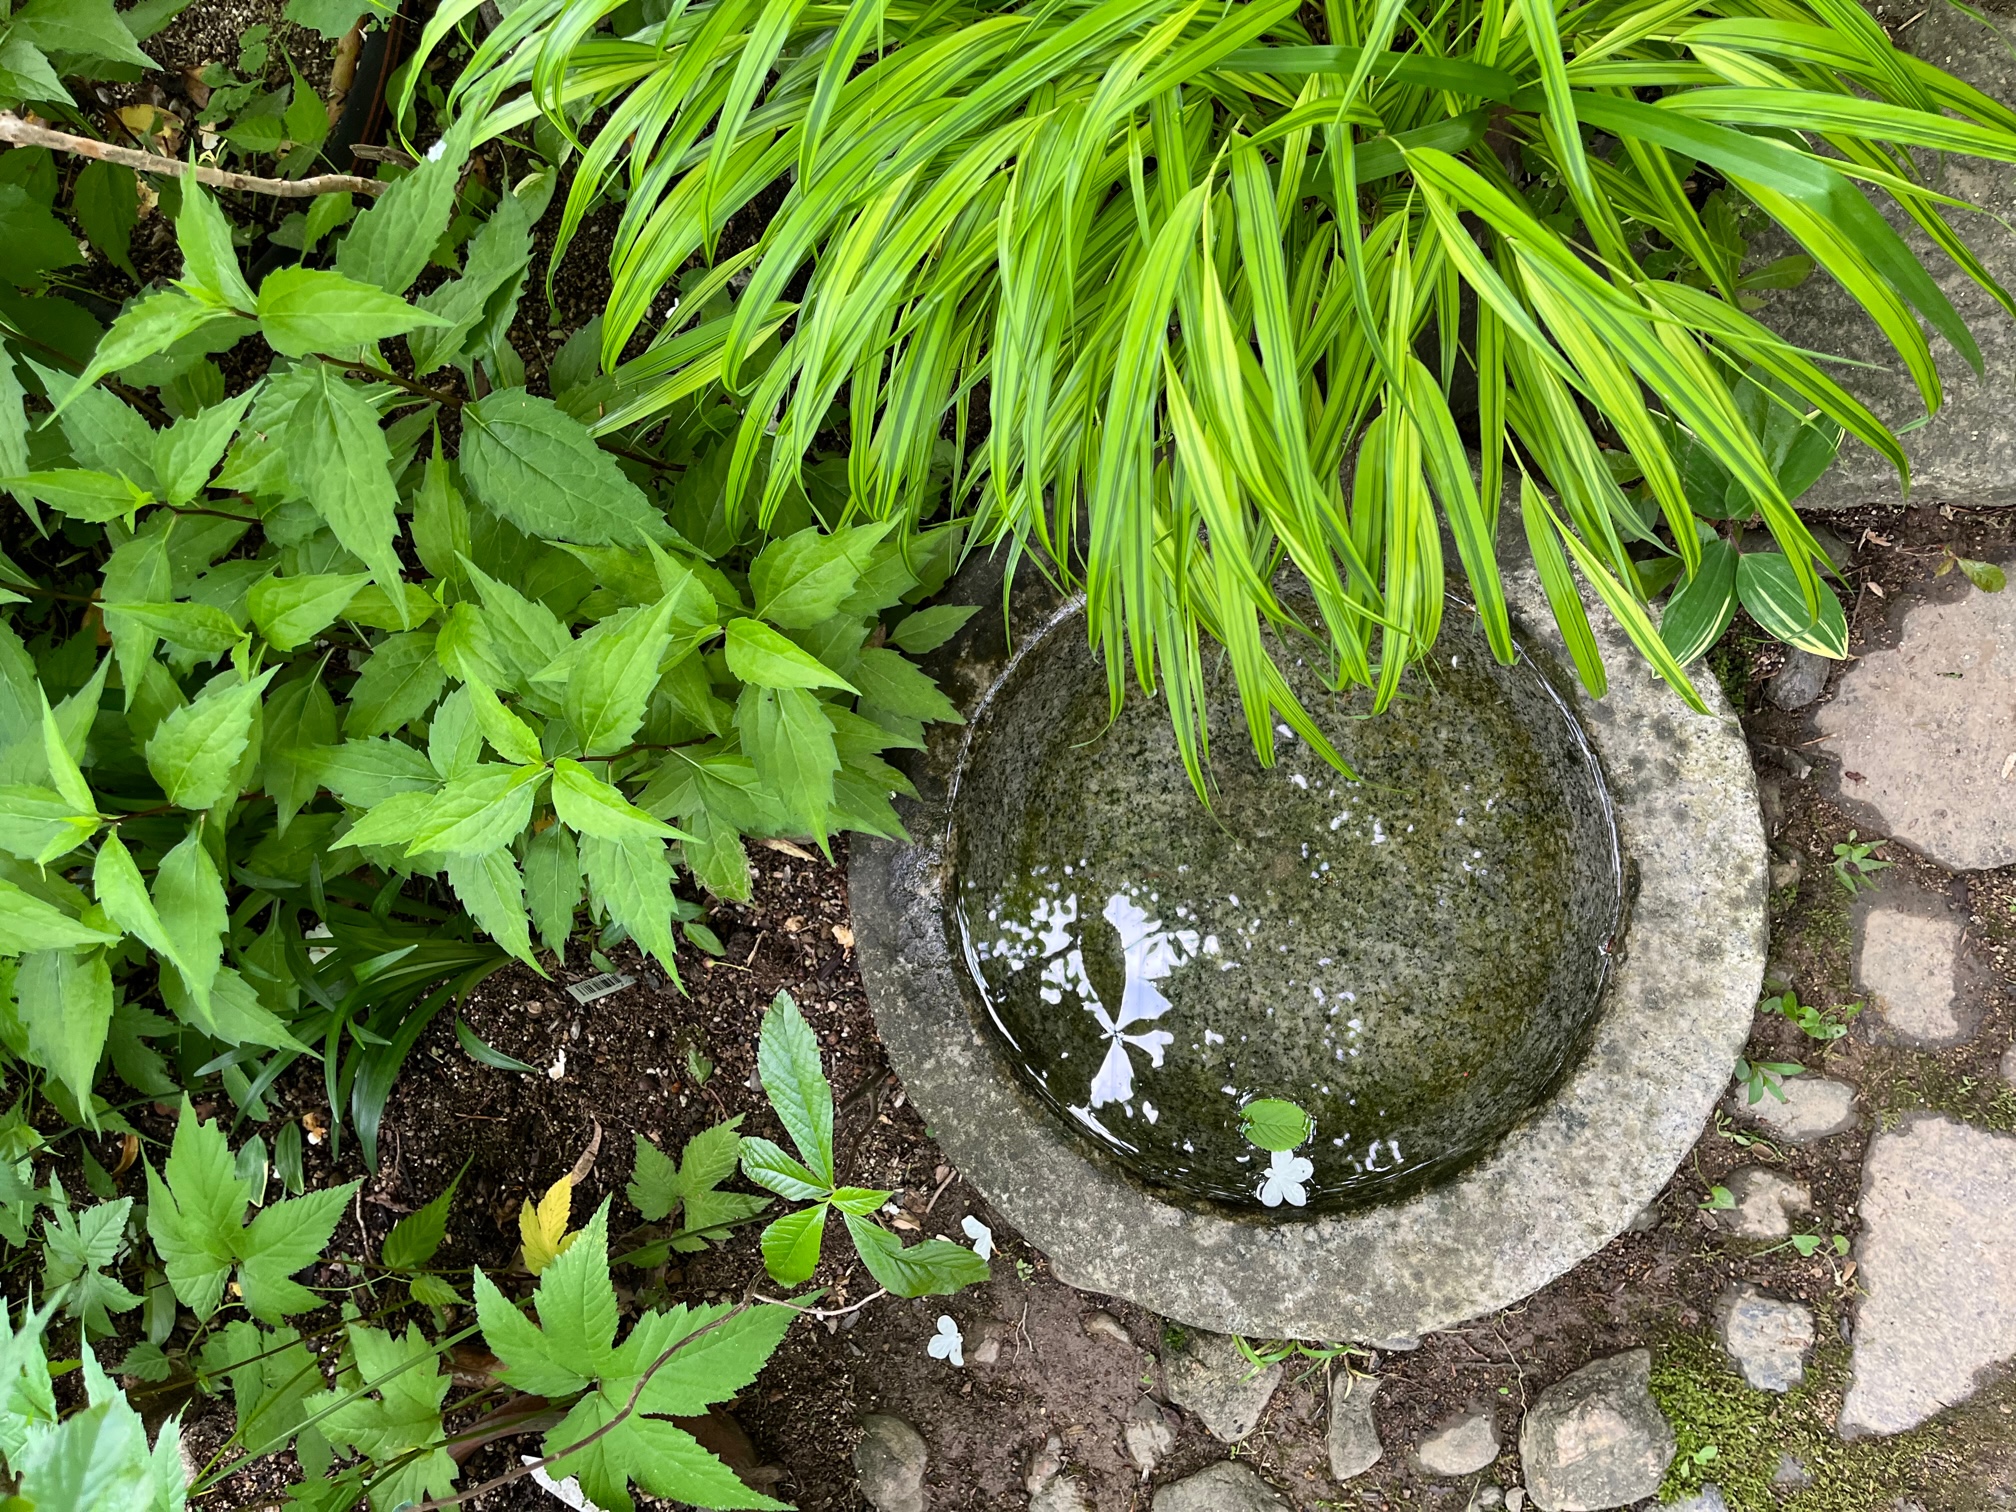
(948,1343)
(981,1235)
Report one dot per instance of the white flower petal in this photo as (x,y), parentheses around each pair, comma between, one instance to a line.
(981,1235)
(1115,1081)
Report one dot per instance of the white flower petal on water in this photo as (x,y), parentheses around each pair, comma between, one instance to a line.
(981,1235)
(948,1343)
(1115,1081)
(1286,1173)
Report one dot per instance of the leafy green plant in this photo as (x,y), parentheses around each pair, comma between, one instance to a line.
(691,1188)
(291,741)
(788,1062)
(1856,864)
(1206,264)
(1761,1077)
(671,1363)
(1822,1024)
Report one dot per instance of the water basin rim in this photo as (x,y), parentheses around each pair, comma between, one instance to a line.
(1678,1010)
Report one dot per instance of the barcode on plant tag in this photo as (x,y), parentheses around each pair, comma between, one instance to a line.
(599,987)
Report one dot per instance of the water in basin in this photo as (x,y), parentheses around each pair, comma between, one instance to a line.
(1412,955)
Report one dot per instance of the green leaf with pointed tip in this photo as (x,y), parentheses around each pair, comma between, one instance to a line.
(303,310)
(762,658)
(29,924)
(611,677)
(633,880)
(195,750)
(1701,608)
(189,899)
(933,1268)
(1770,591)
(65,1003)
(593,807)
(398,684)
(337,456)
(195,1214)
(791,1245)
(209,261)
(539,468)
(787,1060)
(787,735)
(284,1238)
(187,452)
(81,493)
(490,887)
(553,885)
(415,1238)
(805,577)
(482,810)
(291,611)
(928,629)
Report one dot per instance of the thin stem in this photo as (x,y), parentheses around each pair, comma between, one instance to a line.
(411,386)
(22,134)
(821,1314)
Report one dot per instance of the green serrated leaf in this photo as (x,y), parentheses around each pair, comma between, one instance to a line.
(787,1060)
(762,658)
(291,611)
(1273,1123)
(482,810)
(303,311)
(416,1238)
(196,749)
(936,1267)
(539,468)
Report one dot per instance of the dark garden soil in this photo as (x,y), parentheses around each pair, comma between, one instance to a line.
(631,1064)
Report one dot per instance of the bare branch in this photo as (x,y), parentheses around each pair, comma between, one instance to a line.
(25,134)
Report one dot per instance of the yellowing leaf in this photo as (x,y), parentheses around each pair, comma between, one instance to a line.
(543,1230)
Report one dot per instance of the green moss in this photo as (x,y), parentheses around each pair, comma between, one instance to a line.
(1908,1082)
(1735,1436)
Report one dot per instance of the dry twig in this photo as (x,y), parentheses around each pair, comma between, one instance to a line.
(26,134)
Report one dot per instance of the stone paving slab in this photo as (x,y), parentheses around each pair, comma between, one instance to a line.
(1967,453)
(1925,732)
(1810,1108)
(1907,961)
(1937,1264)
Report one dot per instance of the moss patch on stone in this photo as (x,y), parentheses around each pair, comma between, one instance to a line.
(1735,1437)
(1905,1082)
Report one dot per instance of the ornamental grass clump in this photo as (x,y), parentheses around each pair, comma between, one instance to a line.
(1195,292)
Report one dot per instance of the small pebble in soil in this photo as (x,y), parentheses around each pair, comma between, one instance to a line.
(1596,1438)
(1222,1488)
(890,1462)
(1765,1203)
(1148,1436)
(1212,1380)
(1049,1488)
(1103,1325)
(1461,1445)
(1768,1338)
(1354,1436)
